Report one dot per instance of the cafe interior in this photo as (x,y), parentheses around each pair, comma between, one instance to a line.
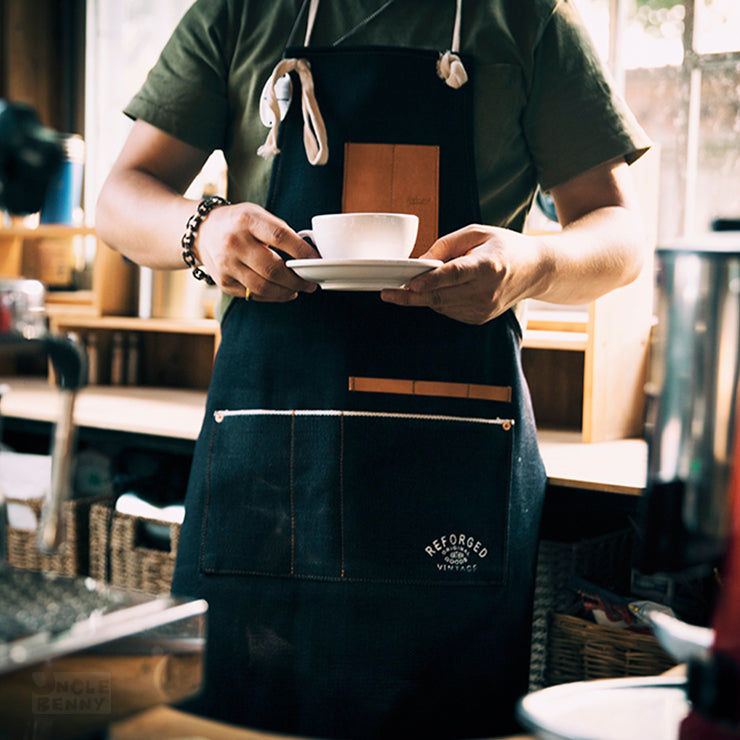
(105,367)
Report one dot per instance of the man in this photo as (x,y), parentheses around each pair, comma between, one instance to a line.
(365,496)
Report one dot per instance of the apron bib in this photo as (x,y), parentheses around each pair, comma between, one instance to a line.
(363,509)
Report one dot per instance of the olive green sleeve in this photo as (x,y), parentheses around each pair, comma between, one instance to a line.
(574,119)
(186,92)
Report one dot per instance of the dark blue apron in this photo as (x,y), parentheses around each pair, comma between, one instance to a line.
(363,510)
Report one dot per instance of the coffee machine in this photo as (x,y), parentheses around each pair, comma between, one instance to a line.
(75,654)
(692,513)
(30,155)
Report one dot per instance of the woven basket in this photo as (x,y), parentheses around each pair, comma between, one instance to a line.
(118,557)
(604,560)
(579,650)
(72,559)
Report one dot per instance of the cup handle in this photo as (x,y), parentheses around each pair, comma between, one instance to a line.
(304,233)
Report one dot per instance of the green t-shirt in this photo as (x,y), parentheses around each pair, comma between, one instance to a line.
(544,108)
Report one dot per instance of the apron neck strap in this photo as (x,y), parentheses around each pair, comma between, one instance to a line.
(456,29)
(314,7)
(449,66)
(312,10)
(314,131)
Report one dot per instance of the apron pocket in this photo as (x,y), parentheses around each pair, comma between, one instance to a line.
(271,506)
(360,496)
(425,498)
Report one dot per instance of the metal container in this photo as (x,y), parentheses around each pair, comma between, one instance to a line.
(692,400)
(65,189)
(22,311)
(170,294)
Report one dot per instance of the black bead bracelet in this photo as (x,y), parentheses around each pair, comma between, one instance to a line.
(191,229)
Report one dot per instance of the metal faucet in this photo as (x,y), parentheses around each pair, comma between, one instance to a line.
(23,329)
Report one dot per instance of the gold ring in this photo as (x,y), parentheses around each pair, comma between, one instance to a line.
(247,294)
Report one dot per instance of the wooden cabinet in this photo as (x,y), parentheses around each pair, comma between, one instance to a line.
(162,353)
(587,369)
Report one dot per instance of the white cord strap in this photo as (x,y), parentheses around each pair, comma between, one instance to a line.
(312,10)
(449,66)
(314,130)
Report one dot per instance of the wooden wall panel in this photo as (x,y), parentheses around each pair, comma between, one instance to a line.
(42,59)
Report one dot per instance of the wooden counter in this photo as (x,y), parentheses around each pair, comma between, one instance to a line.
(616,467)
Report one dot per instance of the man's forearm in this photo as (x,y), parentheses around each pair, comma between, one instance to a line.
(597,253)
(143,219)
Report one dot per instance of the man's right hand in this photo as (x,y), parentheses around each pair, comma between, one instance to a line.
(238,246)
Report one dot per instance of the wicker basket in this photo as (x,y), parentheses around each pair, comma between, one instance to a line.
(579,650)
(118,557)
(604,560)
(73,557)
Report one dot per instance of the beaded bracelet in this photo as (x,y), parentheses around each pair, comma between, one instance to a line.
(191,229)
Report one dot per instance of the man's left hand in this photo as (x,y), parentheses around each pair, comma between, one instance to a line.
(487,270)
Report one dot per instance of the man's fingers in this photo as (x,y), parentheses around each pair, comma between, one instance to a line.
(274,232)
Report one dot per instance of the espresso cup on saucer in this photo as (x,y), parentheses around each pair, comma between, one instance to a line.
(363,236)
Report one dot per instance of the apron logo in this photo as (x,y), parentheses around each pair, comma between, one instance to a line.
(455,552)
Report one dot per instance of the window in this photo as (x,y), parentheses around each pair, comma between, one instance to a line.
(123,42)
(678,63)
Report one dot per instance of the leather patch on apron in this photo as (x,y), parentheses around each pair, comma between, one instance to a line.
(394,178)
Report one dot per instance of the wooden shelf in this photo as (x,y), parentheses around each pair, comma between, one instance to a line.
(574,341)
(172,353)
(207,327)
(587,370)
(163,412)
(46,231)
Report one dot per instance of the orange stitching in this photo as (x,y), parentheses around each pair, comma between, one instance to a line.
(207,503)
(341,494)
(292,499)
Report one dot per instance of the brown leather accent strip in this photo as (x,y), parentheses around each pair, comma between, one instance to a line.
(431,388)
(490,392)
(381,385)
(435,388)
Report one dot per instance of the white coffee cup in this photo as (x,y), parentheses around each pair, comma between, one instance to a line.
(363,236)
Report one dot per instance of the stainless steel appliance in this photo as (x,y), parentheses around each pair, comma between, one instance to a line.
(693,494)
(691,518)
(692,400)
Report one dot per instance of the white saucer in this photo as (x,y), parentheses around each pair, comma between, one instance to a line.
(360,274)
(650,708)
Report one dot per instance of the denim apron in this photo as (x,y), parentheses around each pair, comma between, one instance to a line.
(364,504)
